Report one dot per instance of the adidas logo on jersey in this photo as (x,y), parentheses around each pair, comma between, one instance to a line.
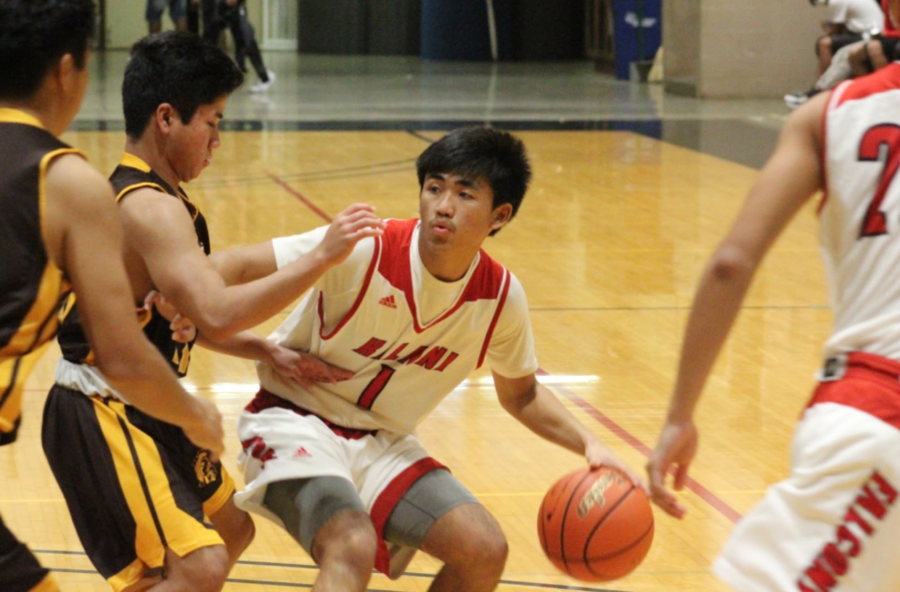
(388,301)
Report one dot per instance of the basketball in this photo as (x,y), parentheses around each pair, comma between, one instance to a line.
(595,525)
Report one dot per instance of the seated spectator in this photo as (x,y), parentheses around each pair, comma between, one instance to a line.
(850,26)
(879,52)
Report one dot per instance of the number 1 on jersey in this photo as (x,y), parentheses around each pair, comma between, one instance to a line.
(870,149)
(375,386)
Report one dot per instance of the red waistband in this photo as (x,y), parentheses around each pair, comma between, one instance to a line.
(874,362)
(863,381)
(267,400)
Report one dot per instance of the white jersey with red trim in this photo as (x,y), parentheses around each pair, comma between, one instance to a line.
(409,338)
(860,214)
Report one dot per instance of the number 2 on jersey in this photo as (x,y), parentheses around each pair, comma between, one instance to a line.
(888,136)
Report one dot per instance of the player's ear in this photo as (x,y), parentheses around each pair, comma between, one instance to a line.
(164,115)
(501,215)
(64,71)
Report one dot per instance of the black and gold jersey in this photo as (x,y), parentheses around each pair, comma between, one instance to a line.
(132,174)
(31,285)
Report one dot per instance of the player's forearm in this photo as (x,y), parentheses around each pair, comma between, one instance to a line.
(147,382)
(542,413)
(246,344)
(245,264)
(238,308)
(716,305)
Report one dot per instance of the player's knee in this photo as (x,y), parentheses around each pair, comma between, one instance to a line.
(823,45)
(204,570)
(484,547)
(348,539)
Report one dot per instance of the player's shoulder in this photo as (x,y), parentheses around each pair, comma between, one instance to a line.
(71,179)
(152,205)
(882,81)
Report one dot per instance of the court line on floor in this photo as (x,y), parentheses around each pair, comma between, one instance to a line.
(702,492)
(305,566)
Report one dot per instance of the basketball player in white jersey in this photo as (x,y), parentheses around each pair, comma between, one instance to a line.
(411,314)
(833,524)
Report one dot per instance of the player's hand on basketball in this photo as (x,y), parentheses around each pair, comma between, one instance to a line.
(677,446)
(348,228)
(204,428)
(304,368)
(597,454)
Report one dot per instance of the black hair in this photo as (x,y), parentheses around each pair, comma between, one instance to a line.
(35,35)
(178,68)
(481,153)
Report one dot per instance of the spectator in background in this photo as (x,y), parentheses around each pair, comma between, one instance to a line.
(849,22)
(877,53)
(177,12)
(233,15)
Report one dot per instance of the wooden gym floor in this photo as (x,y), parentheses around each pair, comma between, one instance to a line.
(609,243)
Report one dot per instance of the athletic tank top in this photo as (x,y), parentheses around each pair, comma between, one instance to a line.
(31,286)
(132,174)
(860,215)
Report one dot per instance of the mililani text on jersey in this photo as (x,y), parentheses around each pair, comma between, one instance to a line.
(426,356)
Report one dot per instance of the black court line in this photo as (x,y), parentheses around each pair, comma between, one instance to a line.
(738,140)
(307,566)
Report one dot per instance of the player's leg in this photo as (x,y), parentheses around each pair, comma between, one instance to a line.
(138,519)
(296,467)
(20,570)
(235,527)
(834,522)
(326,516)
(440,516)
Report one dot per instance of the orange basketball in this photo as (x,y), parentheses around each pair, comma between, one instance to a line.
(595,525)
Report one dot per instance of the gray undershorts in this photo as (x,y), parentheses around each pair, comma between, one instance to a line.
(306,505)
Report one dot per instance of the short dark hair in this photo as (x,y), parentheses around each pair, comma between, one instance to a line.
(34,35)
(479,152)
(178,68)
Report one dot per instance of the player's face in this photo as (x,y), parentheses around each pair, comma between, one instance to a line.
(192,144)
(457,215)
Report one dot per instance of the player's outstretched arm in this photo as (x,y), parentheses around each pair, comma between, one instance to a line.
(245,264)
(301,367)
(162,233)
(84,238)
(790,177)
(538,409)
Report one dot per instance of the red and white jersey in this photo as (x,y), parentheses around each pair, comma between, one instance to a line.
(409,338)
(860,214)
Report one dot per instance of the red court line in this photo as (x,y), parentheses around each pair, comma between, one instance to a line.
(702,492)
(301,197)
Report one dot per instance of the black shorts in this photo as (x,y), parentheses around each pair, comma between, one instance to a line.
(19,569)
(889,48)
(134,485)
(842,40)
